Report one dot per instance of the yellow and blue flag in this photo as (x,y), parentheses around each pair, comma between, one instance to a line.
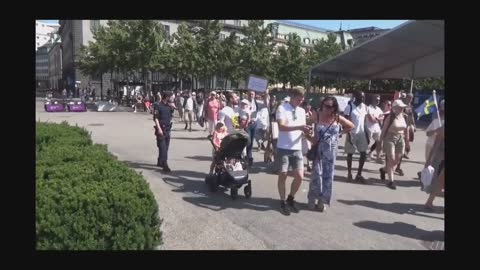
(426,108)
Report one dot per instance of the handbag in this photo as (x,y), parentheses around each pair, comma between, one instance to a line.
(312,153)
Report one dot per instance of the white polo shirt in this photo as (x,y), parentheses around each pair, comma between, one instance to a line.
(375,112)
(290,140)
(357,117)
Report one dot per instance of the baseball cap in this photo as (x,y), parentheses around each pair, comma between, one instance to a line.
(399,103)
(245,101)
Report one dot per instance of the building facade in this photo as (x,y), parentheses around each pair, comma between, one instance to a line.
(44,33)
(309,35)
(75,33)
(41,66)
(360,35)
(55,75)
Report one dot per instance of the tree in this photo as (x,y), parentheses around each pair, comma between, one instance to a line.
(147,37)
(323,50)
(229,65)
(209,49)
(96,59)
(257,49)
(290,62)
(185,52)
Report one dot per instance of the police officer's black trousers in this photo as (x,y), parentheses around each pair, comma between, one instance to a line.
(163,144)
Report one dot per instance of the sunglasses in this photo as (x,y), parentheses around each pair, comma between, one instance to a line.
(328,106)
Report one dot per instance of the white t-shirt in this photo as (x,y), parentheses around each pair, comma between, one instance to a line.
(290,140)
(262,118)
(375,112)
(189,104)
(226,115)
(357,117)
(244,113)
(433,125)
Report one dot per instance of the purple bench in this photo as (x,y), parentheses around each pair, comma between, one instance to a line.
(54,107)
(82,107)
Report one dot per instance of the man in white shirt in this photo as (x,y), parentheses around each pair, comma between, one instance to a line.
(229,112)
(188,106)
(374,118)
(292,125)
(357,139)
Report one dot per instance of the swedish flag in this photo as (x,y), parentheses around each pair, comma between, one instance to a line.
(426,108)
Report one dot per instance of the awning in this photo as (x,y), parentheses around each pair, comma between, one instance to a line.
(415,49)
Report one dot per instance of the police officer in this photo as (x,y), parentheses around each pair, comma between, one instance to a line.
(162,117)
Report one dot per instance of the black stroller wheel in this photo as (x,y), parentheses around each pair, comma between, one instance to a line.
(234,192)
(247,190)
(213,185)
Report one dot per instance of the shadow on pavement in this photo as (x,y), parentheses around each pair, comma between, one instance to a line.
(135,165)
(201,158)
(398,208)
(216,201)
(402,229)
(354,169)
(203,138)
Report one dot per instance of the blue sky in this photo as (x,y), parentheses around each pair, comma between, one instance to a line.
(335,24)
(351,24)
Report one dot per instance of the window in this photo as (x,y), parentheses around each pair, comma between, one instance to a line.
(94,25)
(315,41)
(306,40)
(167,30)
(237,23)
(222,36)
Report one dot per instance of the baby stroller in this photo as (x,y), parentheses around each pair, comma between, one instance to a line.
(230,169)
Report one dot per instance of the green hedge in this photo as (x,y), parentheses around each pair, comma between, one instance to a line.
(86,199)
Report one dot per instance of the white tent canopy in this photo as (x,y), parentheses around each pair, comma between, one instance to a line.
(415,49)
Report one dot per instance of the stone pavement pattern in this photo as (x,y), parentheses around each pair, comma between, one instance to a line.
(361,216)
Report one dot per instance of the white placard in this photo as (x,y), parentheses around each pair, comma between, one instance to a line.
(257,84)
(342,102)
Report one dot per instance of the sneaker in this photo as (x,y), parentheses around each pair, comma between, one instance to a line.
(382,174)
(360,179)
(291,204)
(419,175)
(166,169)
(284,209)
(322,207)
(186,127)
(399,171)
(391,185)
(311,205)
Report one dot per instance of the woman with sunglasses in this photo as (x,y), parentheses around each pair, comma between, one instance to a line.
(328,124)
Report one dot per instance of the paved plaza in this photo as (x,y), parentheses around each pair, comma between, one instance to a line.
(361,216)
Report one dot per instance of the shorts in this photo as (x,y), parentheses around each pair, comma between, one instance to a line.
(394,144)
(287,158)
(359,141)
(260,134)
(374,135)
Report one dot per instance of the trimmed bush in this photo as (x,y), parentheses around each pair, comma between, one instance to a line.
(86,199)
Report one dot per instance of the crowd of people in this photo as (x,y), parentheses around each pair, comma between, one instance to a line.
(293,131)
